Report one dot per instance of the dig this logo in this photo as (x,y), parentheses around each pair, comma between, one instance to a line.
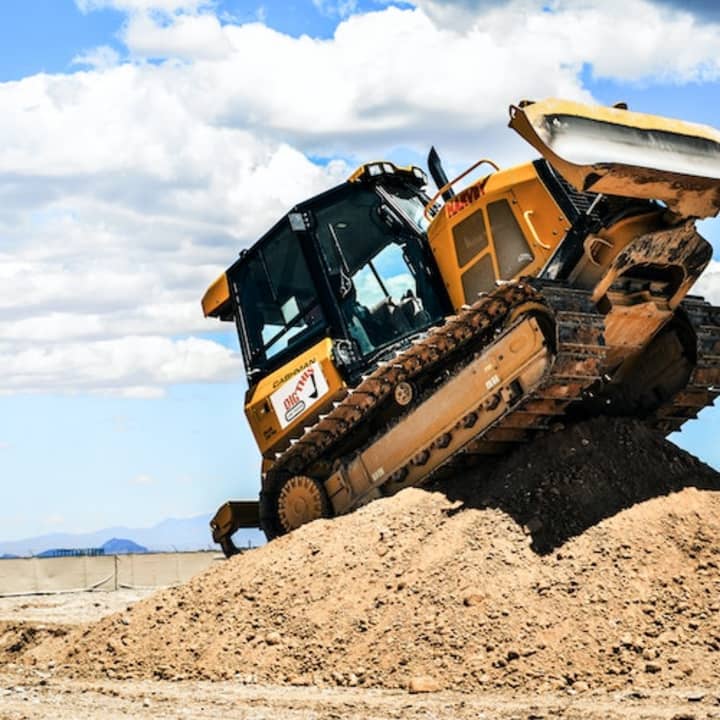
(299,394)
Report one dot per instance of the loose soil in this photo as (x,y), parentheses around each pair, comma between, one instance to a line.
(78,608)
(41,696)
(585,563)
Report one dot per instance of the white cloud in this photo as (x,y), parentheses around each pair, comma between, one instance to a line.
(143,480)
(121,203)
(120,423)
(133,366)
(167,6)
(5,445)
(125,189)
(99,58)
(335,8)
(709,283)
(462,14)
(187,36)
(707,10)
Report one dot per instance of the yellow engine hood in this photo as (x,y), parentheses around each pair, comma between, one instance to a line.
(618,152)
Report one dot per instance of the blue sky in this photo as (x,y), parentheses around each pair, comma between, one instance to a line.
(145,142)
(47,35)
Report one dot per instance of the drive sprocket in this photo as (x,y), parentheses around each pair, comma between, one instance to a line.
(301,500)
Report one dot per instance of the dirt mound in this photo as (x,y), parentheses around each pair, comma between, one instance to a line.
(17,638)
(460,588)
(569,481)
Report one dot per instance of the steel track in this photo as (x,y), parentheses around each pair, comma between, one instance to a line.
(704,383)
(579,351)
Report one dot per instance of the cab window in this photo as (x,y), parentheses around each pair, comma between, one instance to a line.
(376,269)
(276,296)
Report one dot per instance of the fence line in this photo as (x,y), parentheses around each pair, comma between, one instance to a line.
(46,576)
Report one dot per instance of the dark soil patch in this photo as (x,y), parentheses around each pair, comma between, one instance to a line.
(566,482)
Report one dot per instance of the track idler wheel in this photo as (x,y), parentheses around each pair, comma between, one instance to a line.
(301,500)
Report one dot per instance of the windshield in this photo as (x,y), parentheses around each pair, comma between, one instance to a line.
(377,270)
(277,297)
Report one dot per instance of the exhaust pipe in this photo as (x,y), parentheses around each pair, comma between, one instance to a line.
(438,173)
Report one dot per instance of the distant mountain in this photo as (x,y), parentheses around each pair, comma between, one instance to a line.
(172,534)
(119,546)
(8,556)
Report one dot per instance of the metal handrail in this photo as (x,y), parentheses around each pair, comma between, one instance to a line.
(449,184)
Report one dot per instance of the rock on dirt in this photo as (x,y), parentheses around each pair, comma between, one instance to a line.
(577,562)
(423,684)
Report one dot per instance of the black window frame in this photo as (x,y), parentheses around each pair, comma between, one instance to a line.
(255,357)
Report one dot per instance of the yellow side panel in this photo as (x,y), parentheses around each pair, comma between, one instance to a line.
(282,404)
(538,216)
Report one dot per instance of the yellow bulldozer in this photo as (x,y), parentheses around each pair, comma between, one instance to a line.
(387,334)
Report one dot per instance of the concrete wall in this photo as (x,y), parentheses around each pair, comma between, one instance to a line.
(27,576)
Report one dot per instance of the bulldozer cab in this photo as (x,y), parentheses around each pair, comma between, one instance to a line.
(351,264)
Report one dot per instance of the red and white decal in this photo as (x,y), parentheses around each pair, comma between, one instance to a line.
(299,394)
(464,199)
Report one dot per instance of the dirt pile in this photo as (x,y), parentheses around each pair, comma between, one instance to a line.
(569,481)
(534,578)
(17,638)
